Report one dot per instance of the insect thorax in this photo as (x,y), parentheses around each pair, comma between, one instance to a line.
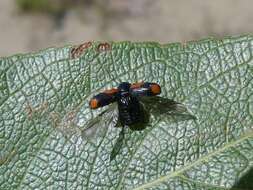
(129,110)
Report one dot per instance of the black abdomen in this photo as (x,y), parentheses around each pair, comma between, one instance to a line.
(130,111)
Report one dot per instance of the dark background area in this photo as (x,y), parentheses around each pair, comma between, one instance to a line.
(27,26)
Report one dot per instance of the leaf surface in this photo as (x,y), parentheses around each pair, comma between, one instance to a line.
(44,105)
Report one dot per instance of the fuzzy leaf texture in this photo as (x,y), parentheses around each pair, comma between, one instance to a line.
(44,105)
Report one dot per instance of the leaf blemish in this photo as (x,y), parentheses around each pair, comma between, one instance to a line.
(66,124)
(31,111)
(55,118)
(7,158)
(70,117)
(104,47)
(78,51)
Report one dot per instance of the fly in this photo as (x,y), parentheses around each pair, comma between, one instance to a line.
(131,106)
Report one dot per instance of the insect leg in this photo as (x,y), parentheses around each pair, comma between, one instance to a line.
(118,145)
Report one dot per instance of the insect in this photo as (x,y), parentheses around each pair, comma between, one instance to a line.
(130,105)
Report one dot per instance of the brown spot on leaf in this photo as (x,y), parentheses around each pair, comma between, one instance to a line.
(66,124)
(55,118)
(78,51)
(104,47)
(71,116)
(31,111)
(7,158)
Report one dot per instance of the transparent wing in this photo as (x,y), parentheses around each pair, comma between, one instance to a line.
(99,125)
(157,106)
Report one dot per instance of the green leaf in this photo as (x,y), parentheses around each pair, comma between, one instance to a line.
(44,105)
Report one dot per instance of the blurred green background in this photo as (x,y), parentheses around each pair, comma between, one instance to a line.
(30,25)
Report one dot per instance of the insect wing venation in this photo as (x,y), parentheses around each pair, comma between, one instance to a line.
(98,126)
